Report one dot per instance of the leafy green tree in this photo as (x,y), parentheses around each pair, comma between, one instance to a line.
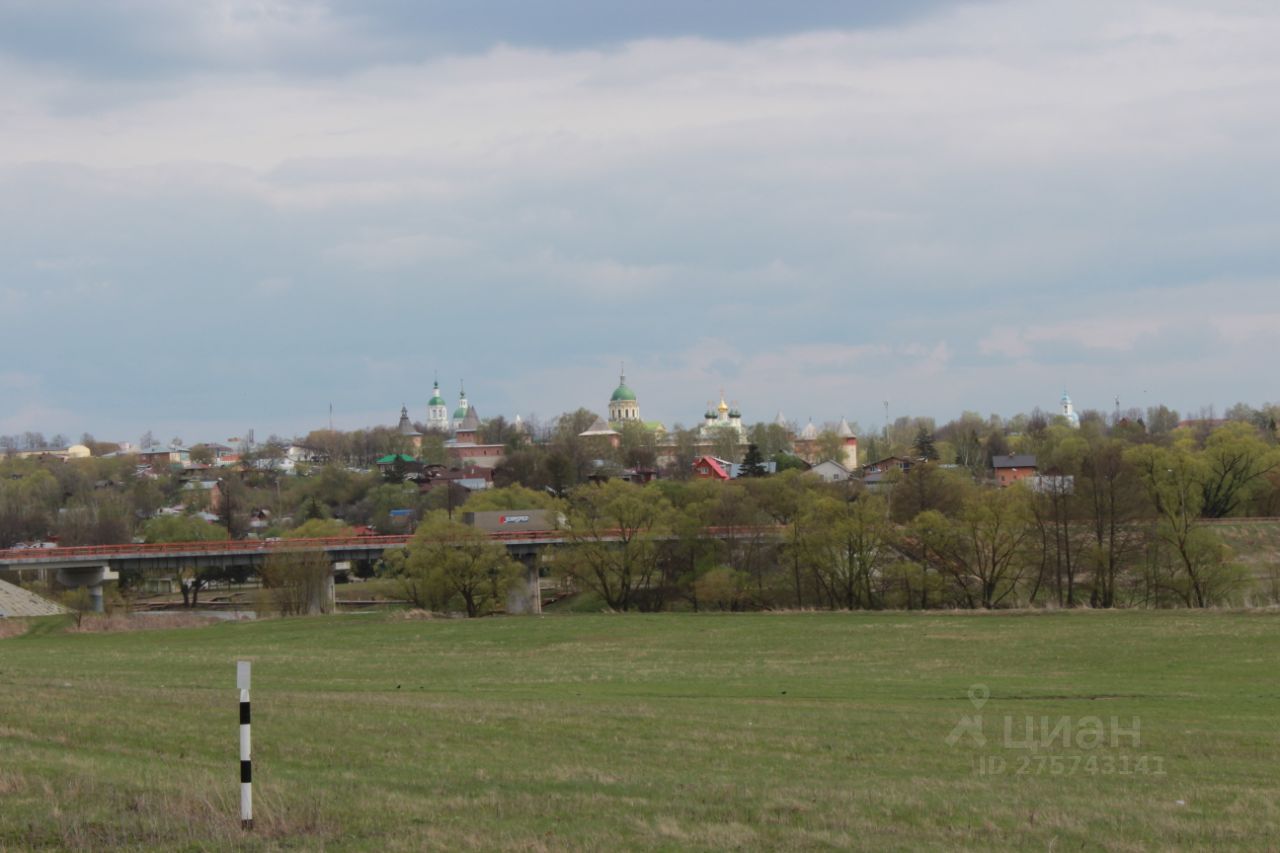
(690,553)
(432,451)
(450,561)
(319,528)
(572,457)
(29,503)
(1056,511)
(496,430)
(984,549)
(1112,502)
(771,438)
(1236,461)
(924,487)
(233,505)
(202,455)
(725,444)
(614,530)
(181,528)
(1161,420)
(96,519)
(1175,480)
(686,450)
(336,488)
(846,544)
(829,445)
(639,445)
(394,473)
(964,436)
(783,498)
(524,467)
(376,507)
(511,498)
(311,508)
(738,522)
(724,589)
(296,583)
(788,462)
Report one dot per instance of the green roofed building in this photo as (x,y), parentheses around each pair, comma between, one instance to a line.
(460,413)
(623,406)
(437,410)
(392,458)
(400,463)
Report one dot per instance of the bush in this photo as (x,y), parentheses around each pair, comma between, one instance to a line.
(723,588)
(297,583)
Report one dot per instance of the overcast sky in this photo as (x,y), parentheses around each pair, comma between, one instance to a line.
(229,215)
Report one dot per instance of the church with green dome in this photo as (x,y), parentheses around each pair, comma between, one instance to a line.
(437,411)
(623,406)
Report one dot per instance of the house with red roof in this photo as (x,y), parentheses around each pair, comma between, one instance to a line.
(710,468)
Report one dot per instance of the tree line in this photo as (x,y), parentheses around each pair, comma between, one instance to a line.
(1112,521)
(1121,515)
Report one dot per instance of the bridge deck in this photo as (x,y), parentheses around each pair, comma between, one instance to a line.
(258,549)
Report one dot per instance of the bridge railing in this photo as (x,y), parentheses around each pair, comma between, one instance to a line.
(264,546)
(238,546)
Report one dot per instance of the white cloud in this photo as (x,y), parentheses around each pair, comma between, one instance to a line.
(1101,332)
(37,417)
(390,251)
(955,212)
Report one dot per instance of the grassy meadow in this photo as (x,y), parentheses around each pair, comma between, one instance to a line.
(675,731)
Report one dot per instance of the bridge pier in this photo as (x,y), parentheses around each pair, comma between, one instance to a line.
(92,577)
(325,598)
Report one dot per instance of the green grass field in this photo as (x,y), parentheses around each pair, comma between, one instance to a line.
(373,732)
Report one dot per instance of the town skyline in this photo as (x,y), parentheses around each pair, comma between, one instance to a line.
(206,431)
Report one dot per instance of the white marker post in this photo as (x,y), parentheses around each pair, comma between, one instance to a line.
(246,765)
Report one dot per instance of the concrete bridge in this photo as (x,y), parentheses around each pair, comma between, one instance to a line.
(91,566)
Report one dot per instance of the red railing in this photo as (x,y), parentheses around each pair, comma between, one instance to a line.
(257,546)
(240,546)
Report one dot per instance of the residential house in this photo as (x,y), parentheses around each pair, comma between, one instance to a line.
(831,471)
(472,478)
(157,457)
(710,468)
(1011,469)
(402,461)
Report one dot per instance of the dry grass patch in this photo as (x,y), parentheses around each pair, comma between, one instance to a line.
(11,783)
(190,813)
(120,622)
(415,614)
(12,628)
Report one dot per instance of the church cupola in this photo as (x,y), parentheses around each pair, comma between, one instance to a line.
(437,410)
(1068,411)
(460,413)
(623,405)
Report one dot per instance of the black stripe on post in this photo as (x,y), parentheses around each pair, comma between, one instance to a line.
(244,713)
(246,771)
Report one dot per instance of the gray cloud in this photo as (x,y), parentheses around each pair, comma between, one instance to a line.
(142,38)
(964,211)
